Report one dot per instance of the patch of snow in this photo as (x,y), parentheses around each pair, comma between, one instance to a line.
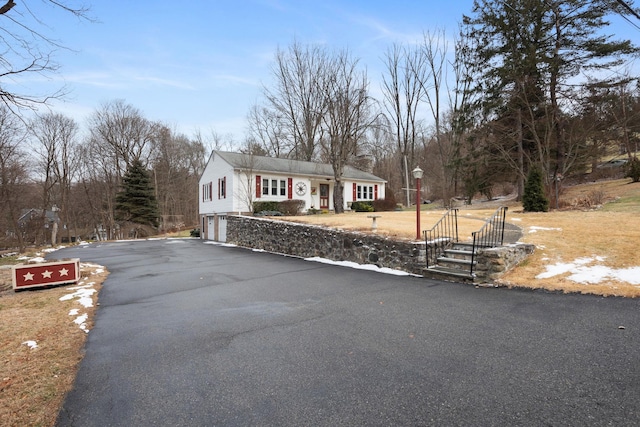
(37,260)
(74,311)
(31,344)
(535,229)
(83,296)
(49,250)
(582,272)
(80,321)
(441,239)
(369,267)
(516,219)
(224,245)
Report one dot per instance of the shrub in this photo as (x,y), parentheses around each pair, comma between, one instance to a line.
(534,199)
(634,169)
(384,205)
(362,206)
(291,207)
(265,206)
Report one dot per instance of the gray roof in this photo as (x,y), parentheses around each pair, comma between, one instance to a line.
(291,167)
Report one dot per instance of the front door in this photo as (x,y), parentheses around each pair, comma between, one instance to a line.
(324,196)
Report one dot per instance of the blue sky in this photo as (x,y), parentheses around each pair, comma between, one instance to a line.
(201,64)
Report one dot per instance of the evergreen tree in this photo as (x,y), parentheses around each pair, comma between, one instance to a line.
(136,201)
(534,199)
(529,53)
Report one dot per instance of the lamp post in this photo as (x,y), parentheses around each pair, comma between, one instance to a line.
(417,174)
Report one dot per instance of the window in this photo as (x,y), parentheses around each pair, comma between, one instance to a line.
(364,192)
(222,188)
(274,187)
(207,192)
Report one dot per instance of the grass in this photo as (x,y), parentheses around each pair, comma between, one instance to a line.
(33,382)
(597,220)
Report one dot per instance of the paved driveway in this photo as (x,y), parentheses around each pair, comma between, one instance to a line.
(190,334)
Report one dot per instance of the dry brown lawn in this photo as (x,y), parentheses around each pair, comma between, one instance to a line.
(595,220)
(34,381)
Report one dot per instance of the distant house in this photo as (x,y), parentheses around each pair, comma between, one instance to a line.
(233,182)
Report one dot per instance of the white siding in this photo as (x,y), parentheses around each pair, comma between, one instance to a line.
(215,174)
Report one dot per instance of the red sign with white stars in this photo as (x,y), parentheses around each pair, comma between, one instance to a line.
(46,274)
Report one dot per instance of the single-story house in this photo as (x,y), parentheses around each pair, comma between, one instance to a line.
(232,182)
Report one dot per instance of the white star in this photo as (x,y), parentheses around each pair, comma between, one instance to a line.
(28,276)
(64,272)
(47,274)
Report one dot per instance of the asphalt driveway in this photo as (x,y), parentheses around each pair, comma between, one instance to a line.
(193,334)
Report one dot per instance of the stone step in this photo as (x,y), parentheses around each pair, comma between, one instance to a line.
(457,253)
(449,274)
(456,261)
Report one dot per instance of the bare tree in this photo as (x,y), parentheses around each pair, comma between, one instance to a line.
(403,89)
(434,49)
(13,172)
(126,133)
(176,166)
(346,119)
(267,127)
(298,99)
(28,49)
(56,137)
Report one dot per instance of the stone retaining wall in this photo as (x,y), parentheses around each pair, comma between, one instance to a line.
(494,262)
(309,241)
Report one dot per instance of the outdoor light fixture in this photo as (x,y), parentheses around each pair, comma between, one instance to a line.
(417,174)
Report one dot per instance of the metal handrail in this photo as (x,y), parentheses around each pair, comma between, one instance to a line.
(491,234)
(445,229)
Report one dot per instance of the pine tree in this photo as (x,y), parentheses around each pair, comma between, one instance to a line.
(529,53)
(136,201)
(534,199)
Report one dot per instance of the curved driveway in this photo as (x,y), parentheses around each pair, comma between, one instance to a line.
(192,334)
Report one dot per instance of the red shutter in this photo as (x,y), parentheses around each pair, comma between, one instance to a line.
(290,188)
(224,187)
(354,192)
(203,186)
(375,190)
(258,186)
(210,190)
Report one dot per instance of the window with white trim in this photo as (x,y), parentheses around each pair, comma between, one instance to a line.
(207,192)
(274,187)
(364,192)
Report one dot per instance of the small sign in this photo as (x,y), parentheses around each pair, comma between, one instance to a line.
(45,274)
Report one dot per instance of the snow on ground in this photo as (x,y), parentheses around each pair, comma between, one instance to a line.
(590,271)
(31,344)
(83,293)
(370,267)
(535,229)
